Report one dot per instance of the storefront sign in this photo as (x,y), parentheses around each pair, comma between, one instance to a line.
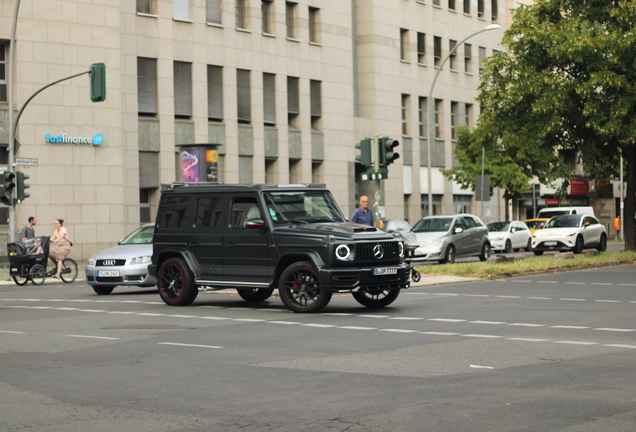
(604,189)
(552,201)
(95,140)
(579,187)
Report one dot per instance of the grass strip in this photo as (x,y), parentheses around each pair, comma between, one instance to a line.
(528,265)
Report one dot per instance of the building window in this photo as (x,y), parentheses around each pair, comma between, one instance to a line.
(4,157)
(468,58)
(215,93)
(316,172)
(270,171)
(461,204)
(405,113)
(243,96)
(146,7)
(269,99)
(144,205)
(266,12)
(181,10)
(146,86)
(295,176)
(451,4)
(245,170)
(293,103)
(438,118)
(290,19)
(437,205)
(468,115)
(454,119)
(436,3)
(314,20)
(452,49)
(3,71)
(315,96)
(482,58)
(494,10)
(467,7)
(404,48)
(423,116)
(480,8)
(182,90)
(213,11)
(437,50)
(241,14)
(421,48)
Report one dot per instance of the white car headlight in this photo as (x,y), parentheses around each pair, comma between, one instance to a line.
(343,252)
(569,235)
(436,244)
(141,260)
(500,238)
(401,249)
(90,262)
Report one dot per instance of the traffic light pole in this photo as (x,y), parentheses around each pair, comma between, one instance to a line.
(375,151)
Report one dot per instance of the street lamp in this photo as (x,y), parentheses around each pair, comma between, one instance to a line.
(431,114)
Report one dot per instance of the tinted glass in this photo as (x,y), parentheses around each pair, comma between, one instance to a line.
(141,235)
(244,208)
(209,212)
(498,226)
(570,221)
(302,207)
(173,212)
(440,224)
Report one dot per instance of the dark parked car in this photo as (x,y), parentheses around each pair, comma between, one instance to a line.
(259,238)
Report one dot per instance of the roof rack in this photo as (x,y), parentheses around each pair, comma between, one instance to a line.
(174,185)
(297,185)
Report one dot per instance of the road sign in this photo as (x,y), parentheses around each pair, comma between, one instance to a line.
(26,161)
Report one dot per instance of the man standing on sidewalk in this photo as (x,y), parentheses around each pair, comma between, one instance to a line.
(363,215)
(28,232)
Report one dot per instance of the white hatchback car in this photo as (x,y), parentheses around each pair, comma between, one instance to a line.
(506,236)
(570,233)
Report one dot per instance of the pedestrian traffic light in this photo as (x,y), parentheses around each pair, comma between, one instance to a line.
(97,77)
(387,151)
(365,152)
(8,184)
(21,186)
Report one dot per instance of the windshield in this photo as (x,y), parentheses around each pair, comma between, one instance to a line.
(564,222)
(141,235)
(302,207)
(498,226)
(535,224)
(440,224)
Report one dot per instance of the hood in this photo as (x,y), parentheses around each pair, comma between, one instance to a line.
(430,236)
(555,232)
(339,228)
(124,252)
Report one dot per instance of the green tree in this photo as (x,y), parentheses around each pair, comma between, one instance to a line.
(566,81)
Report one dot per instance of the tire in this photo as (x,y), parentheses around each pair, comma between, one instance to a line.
(449,256)
(20,280)
(103,290)
(300,288)
(415,275)
(37,274)
(376,298)
(176,283)
(602,247)
(507,247)
(255,294)
(537,253)
(529,246)
(578,246)
(485,252)
(69,270)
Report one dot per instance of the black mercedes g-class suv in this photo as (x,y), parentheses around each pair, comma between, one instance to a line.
(258,238)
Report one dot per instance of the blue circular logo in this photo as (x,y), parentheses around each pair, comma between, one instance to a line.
(98,139)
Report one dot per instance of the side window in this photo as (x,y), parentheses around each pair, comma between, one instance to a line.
(243,208)
(209,212)
(173,212)
(469,222)
(459,223)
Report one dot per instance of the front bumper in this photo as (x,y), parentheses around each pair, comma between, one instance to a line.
(354,279)
(497,245)
(562,244)
(132,275)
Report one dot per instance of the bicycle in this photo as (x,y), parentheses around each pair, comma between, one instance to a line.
(28,260)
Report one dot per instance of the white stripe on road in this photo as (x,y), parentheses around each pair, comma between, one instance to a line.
(190,345)
(93,337)
(614,329)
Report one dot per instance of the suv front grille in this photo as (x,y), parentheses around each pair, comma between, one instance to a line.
(366,251)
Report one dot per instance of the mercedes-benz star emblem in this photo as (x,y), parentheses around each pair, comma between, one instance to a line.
(378,251)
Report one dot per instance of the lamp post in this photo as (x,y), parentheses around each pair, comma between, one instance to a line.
(431,114)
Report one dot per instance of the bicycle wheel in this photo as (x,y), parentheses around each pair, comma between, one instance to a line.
(69,270)
(37,274)
(20,279)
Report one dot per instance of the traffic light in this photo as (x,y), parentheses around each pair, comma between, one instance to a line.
(22,186)
(97,77)
(8,186)
(387,151)
(365,152)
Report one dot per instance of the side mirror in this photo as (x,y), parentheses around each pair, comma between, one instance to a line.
(459,230)
(541,226)
(586,224)
(254,223)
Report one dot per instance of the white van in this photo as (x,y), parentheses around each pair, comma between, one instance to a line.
(548,212)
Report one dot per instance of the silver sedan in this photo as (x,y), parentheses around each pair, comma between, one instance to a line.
(124,264)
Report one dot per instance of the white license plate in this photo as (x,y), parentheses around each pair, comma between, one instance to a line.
(107,273)
(384,271)
(550,243)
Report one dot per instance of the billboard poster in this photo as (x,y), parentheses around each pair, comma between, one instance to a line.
(212,165)
(190,166)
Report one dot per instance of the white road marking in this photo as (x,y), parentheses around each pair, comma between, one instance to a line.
(575,283)
(607,301)
(481,367)
(446,294)
(319,325)
(248,320)
(552,282)
(572,299)
(540,298)
(529,340)
(12,332)
(620,346)
(399,330)
(215,318)
(356,328)
(190,345)
(506,296)
(281,322)
(150,314)
(614,329)
(446,320)
(526,325)
(93,337)
(602,283)
(487,322)
(439,333)
(482,336)
(406,318)
(576,342)
(570,327)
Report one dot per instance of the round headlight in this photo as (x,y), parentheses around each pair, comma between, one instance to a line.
(343,252)
(401,248)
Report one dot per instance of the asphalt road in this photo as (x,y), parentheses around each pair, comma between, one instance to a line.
(542,353)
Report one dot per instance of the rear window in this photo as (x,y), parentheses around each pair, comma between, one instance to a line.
(173,212)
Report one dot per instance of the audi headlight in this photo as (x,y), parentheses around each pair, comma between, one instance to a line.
(141,260)
(343,252)
(90,262)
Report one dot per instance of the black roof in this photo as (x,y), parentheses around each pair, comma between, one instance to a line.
(223,187)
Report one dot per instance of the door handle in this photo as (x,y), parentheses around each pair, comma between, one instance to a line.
(231,244)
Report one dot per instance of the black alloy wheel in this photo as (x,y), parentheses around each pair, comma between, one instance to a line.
(529,245)
(255,294)
(376,298)
(300,289)
(602,247)
(450,255)
(485,252)
(176,283)
(578,247)
(508,247)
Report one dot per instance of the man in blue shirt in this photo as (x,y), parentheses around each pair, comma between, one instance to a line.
(363,215)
